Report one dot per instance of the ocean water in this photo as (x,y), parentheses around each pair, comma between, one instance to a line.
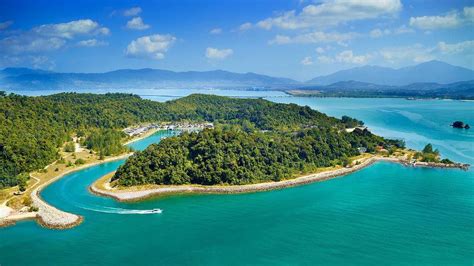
(418,122)
(386,214)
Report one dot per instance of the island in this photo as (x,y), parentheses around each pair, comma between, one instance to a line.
(460,124)
(222,145)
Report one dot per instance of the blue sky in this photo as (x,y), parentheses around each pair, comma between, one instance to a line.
(295,38)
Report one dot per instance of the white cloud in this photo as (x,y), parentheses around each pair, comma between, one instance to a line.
(403,29)
(5,25)
(313,37)
(35,61)
(320,50)
(216,31)
(456,48)
(152,46)
(331,13)
(415,53)
(49,37)
(419,53)
(132,11)
(377,33)
(245,26)
(469,13)
(136,23)
(307,61)
(102,31)
(71,29)
(91,43)
(347,57)
(450,20)
(325,59)
(27,43)
(214,53)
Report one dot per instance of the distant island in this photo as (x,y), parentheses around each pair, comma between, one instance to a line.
(460,124)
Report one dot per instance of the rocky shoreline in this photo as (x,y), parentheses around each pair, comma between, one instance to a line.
(128,196)
(51,217)
(461,166)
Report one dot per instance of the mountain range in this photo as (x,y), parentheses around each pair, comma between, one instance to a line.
(25,78)
(431,72)
(428,76)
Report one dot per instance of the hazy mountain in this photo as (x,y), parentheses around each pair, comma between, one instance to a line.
(429,72)
(457,90)
(425,76)
(24,78)
(17,71)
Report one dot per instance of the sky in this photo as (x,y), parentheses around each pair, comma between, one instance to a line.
(295,38)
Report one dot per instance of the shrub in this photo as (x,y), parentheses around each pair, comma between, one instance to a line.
(69,147)
(80,161)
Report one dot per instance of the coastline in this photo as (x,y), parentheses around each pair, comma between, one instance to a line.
(137,195)
(134,194)
(47,215)
(51,217)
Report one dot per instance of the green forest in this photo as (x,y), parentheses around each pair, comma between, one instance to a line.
(33,129)
(237,155)
(232,155)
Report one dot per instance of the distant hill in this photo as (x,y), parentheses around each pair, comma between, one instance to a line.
(24,78)
(429,72)
(457,90)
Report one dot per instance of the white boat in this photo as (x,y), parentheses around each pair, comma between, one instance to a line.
(156,211)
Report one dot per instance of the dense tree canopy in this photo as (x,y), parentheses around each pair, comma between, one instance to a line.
(32,129)
(105,141)
(230,155)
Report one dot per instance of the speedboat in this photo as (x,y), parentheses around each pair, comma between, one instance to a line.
(155,211)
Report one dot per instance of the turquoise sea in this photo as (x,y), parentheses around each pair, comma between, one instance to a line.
(386,214)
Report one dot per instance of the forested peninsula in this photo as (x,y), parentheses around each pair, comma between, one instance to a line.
(254,141)
(34,129)
(234,155)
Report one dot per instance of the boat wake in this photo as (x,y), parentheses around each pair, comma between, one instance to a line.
(122,211)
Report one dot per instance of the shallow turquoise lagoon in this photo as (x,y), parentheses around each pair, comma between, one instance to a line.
(386,214)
